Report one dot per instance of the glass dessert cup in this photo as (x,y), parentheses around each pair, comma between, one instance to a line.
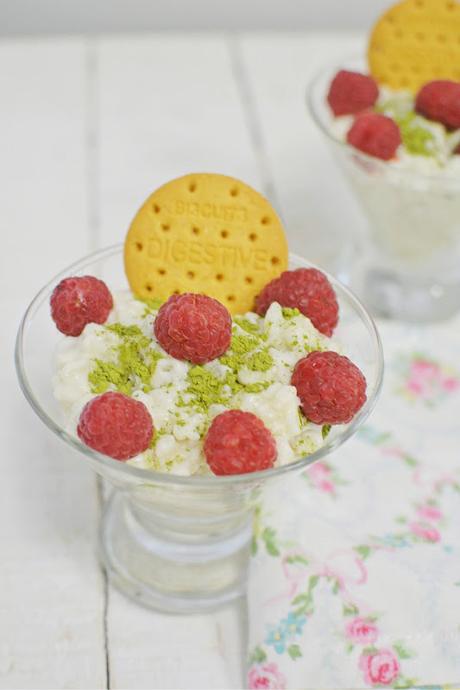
(174,543)
(410,266)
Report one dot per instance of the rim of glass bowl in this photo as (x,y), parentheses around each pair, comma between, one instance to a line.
(199,481)
(350,62)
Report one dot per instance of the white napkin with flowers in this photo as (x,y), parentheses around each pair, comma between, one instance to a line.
(355,579)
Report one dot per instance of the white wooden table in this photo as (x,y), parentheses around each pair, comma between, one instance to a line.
(88,128)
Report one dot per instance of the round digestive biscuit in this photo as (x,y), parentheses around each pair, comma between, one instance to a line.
(205,233)
(414,42)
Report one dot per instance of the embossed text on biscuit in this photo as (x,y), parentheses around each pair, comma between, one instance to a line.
(207,209)
(228,256)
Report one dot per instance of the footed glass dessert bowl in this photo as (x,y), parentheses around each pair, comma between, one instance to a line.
(409,267)
(177,543)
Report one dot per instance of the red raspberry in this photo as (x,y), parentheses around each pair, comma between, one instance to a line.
(330,387)
(351,92)
(238,442)
(116,425)
(440,101)
(309,291)
(193,327)
(76,302)
(376,135)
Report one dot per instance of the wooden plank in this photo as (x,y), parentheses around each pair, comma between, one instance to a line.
(168,105)
(151,650)
(308,187)
(51,590)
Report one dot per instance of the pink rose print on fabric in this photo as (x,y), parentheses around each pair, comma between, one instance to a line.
(362,631)
(425,532)
(427,380)
(379,668)
(427,512)
(346,567)
(320,477)
(266,676)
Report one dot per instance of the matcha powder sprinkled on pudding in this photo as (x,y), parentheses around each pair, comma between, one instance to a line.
(260,361)
(205,389)
(417,139)
(289,312)
(247,325)
(240,347)
(135,362)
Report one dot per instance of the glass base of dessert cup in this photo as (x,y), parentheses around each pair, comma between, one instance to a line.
(409,265)
(411,298)
(177,543)
(393,289)
(169,570)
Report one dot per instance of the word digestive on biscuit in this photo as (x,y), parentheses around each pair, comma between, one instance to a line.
(226,256)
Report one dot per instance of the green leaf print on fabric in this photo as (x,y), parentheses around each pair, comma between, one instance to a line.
(294,651)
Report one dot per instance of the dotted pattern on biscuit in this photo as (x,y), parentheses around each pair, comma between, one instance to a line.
(414,42)
(205,233)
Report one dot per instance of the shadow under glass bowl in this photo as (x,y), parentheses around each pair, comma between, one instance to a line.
(174,543)
(409,267)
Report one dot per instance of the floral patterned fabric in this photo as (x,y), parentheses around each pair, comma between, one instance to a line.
(355,577)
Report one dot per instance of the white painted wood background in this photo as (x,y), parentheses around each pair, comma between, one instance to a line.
(88,128)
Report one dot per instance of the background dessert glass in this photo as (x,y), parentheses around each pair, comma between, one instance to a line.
(178,544)
(409,266)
